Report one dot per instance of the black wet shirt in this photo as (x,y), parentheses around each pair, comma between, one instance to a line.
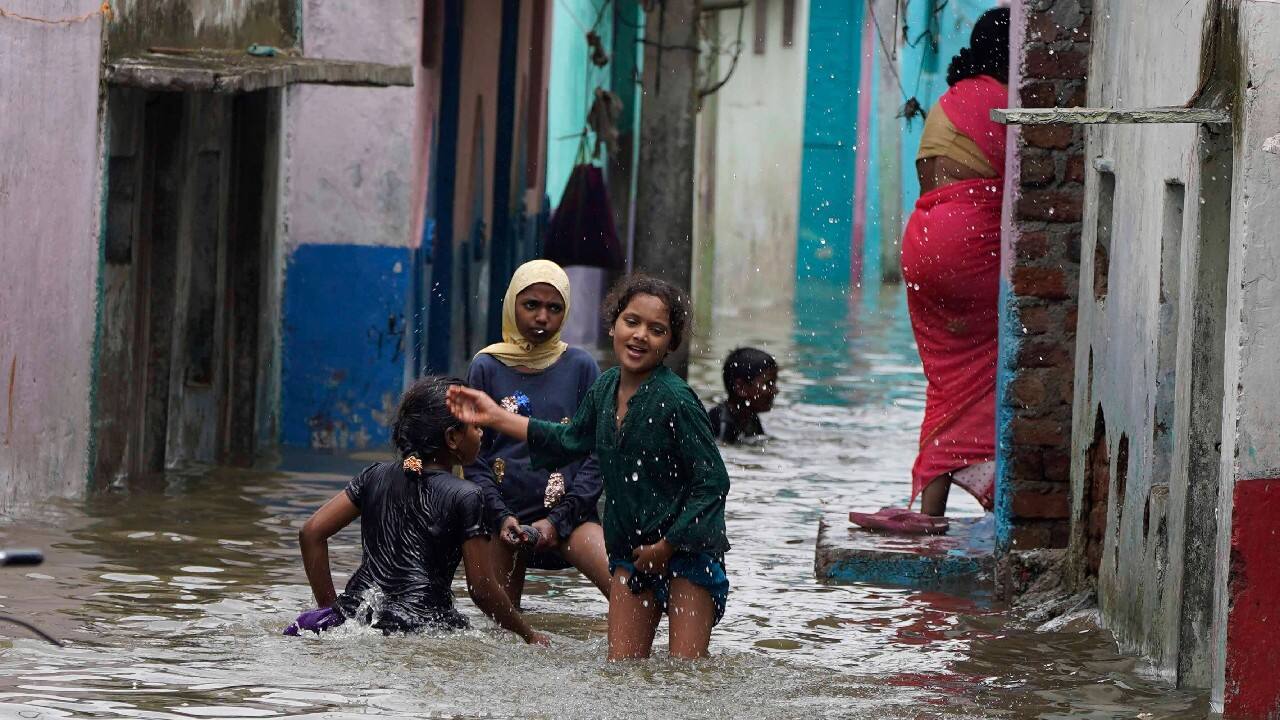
(412,530)
(726,428)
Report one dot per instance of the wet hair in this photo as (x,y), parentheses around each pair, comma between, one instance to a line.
(746,364)
(423,417)
(988,51)
(639,284)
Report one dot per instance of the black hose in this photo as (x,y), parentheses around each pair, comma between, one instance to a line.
(40,633)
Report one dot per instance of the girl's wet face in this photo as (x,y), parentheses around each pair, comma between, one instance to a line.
(642,334)
(464,442)
(539,312)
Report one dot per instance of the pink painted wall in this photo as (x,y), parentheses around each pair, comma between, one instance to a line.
(349,163)
(50,202)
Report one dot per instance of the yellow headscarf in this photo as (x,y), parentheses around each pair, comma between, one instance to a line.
(514,348)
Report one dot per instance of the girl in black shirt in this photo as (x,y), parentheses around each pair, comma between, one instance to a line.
(418,522)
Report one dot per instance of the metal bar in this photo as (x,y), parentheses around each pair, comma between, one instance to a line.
(719,5)
(1109,116)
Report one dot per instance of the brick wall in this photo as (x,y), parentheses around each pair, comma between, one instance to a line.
(1050,47)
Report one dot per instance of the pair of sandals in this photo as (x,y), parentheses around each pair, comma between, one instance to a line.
(901,521)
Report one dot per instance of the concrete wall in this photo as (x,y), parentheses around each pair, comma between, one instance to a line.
(759,142)
(1119,371)
(1173,495)
(50,209)
(1245,643)
(348,211)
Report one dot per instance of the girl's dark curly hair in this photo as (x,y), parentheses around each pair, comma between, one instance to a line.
(423,418)
(639,284)
(988,51)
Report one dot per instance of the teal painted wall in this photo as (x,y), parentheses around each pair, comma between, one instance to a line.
(831,109)
(573,82)
(924,70)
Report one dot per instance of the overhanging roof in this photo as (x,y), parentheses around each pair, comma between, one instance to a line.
(237,72)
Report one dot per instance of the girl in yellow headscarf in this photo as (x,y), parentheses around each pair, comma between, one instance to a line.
(544,520)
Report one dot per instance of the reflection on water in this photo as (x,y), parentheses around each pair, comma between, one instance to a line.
(172,592)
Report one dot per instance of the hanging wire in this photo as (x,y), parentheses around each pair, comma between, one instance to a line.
(600,14)
(574,16)
(736,50)
(893,66)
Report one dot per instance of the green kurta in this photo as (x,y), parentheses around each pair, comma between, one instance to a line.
(663,475)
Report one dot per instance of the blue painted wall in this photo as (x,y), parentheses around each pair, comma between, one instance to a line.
(344,344)
(823,248)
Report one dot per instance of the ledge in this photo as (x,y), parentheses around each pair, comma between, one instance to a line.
(1109,116)
(239,72)
(961,562)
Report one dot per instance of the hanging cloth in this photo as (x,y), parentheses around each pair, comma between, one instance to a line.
(581,231)
(515,350)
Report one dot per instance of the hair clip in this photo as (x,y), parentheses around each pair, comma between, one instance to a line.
(413,464)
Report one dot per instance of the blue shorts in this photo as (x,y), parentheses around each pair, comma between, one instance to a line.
(698,568)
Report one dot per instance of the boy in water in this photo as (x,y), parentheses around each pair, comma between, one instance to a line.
(751,380)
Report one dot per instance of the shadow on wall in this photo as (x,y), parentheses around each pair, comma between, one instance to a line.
(1097,488)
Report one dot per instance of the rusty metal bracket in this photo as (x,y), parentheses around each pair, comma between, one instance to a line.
(1110,116)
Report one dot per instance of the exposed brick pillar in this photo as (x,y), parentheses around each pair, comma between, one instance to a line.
(1040,276)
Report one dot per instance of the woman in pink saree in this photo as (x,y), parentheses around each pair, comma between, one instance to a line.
(951,264)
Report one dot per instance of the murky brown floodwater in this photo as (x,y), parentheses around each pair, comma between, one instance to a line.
(172,593)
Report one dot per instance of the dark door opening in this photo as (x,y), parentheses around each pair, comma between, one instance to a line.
(190,229)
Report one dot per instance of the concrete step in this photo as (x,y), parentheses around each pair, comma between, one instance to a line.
(961,562)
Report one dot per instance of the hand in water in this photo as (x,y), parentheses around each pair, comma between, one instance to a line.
(549,539)
(472,406)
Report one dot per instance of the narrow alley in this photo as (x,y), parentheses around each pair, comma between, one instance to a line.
(909,358)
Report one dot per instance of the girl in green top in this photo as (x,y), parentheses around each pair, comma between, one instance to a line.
(664,481)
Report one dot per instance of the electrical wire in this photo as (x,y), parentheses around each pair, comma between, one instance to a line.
(893,66)
(733,64)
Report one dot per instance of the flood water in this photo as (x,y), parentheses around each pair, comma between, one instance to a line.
(171,593)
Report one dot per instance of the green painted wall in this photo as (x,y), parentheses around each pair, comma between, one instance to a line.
(573,82)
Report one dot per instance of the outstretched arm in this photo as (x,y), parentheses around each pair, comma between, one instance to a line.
(475,407)
(489,596)
(335,515)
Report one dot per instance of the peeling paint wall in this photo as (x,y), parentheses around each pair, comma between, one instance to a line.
(50,207)
(1246,640)
(1179,328)
(348,214)
(137,25)
(1136,62)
